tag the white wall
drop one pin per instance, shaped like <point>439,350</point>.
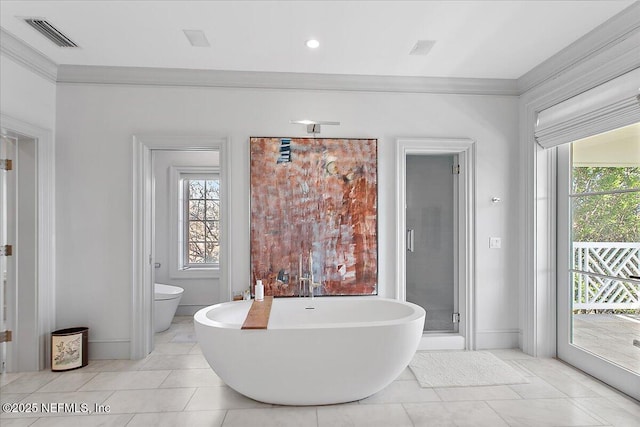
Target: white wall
<point>198,292</point>
<point>26,96</point>
<point>95,125</point>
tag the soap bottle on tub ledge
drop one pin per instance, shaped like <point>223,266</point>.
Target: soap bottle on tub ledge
<point>259,290</point>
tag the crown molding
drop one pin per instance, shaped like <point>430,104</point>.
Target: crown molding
<point>614,40</point>
<point>280,80</point>
<point>602,40</point>
<point>23,54</point>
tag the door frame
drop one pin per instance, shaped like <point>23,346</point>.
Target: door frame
<point>464,148</point>
<point>44,301</point>
<point>142,332</point>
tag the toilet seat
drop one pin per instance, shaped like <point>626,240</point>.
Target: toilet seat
<point>165,292</point>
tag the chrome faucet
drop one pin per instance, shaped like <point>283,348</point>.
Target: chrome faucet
<point>309,280</point>
<point>312,286</point>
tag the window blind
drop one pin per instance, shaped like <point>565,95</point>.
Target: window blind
<point>611,105</point>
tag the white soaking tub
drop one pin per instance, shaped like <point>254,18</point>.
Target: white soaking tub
<point>340,350</point>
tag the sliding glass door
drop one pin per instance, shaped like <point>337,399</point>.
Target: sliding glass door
<point>599,256</point>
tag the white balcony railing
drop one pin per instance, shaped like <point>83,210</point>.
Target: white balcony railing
<point>610,264</point>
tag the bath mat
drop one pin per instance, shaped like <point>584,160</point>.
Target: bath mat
<point>462,369</point>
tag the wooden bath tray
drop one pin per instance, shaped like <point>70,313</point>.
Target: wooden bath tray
<point>258,316</point>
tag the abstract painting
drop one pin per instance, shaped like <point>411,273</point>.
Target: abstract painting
<point>314,215</point>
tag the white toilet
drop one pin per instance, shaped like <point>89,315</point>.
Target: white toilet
<point>166,300</point>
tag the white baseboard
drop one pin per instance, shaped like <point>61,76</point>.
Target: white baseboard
<point>508,338</point>
<point>109,349</point>
<point>441,342</point>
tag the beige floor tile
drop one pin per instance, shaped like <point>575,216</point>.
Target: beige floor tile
<point>18,422</point>
<point>12,397</point>
<point>30,382</point>
<point>406,375</point>
<point>625,402</point>
<point>184,337</point>
<point>494,392</point>
<point>403,391</point>
<point>96,365</point>
<point>569,386</point>
<point>216,398</point>
<point>68,381</point>
<point>565,379</point>
<point>85,421</point>
<point>601,407</point>
<point>172,348</point>
<point>521,369</point>
<point>272,417</point>
<point>175,361</point>
<point>459,414</point>
<point>174,419</point>
<point>154,400</point>
<point>537,388</point>
<point>542,413</point>
<point>164,337</point>
<point>196,349</point>
<point>177,328</point>
<point>126,380</point>
<point>6,378</point>
<point>363,416</point>
<point>192,378</point>
<point>114,365</point>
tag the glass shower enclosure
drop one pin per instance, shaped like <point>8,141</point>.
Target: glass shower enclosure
<point>431,218</point>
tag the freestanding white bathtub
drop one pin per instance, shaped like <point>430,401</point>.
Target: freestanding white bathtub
<point>343,349</point>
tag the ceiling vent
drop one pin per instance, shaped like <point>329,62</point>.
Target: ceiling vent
<point>422,47</point>
<point>197,38</point>
<point>50,32</point>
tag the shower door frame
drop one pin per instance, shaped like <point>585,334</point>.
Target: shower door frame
<point>464,148</point>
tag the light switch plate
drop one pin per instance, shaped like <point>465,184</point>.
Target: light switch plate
<point>495,242</point>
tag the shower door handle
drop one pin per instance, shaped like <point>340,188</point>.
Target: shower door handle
<point>410,239</point>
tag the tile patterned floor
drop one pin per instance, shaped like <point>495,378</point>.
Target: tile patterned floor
<point>175,387</point>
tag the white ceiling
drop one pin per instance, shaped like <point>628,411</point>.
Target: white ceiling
<point>482,39</point>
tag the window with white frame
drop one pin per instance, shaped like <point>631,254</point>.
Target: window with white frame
<point>200,225</point>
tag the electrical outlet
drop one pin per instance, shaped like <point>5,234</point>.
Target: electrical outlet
<point>495,242</point>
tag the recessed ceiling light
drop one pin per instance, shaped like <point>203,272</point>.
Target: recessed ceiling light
<point>312,44</point>
<point>197,38</point>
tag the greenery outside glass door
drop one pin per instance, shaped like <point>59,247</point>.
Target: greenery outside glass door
<point>599,253</point>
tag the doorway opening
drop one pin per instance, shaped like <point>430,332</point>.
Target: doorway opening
<point>161,165</point>
<point>27,185</point>
<point>185,219</point>
<point>435,237</point>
